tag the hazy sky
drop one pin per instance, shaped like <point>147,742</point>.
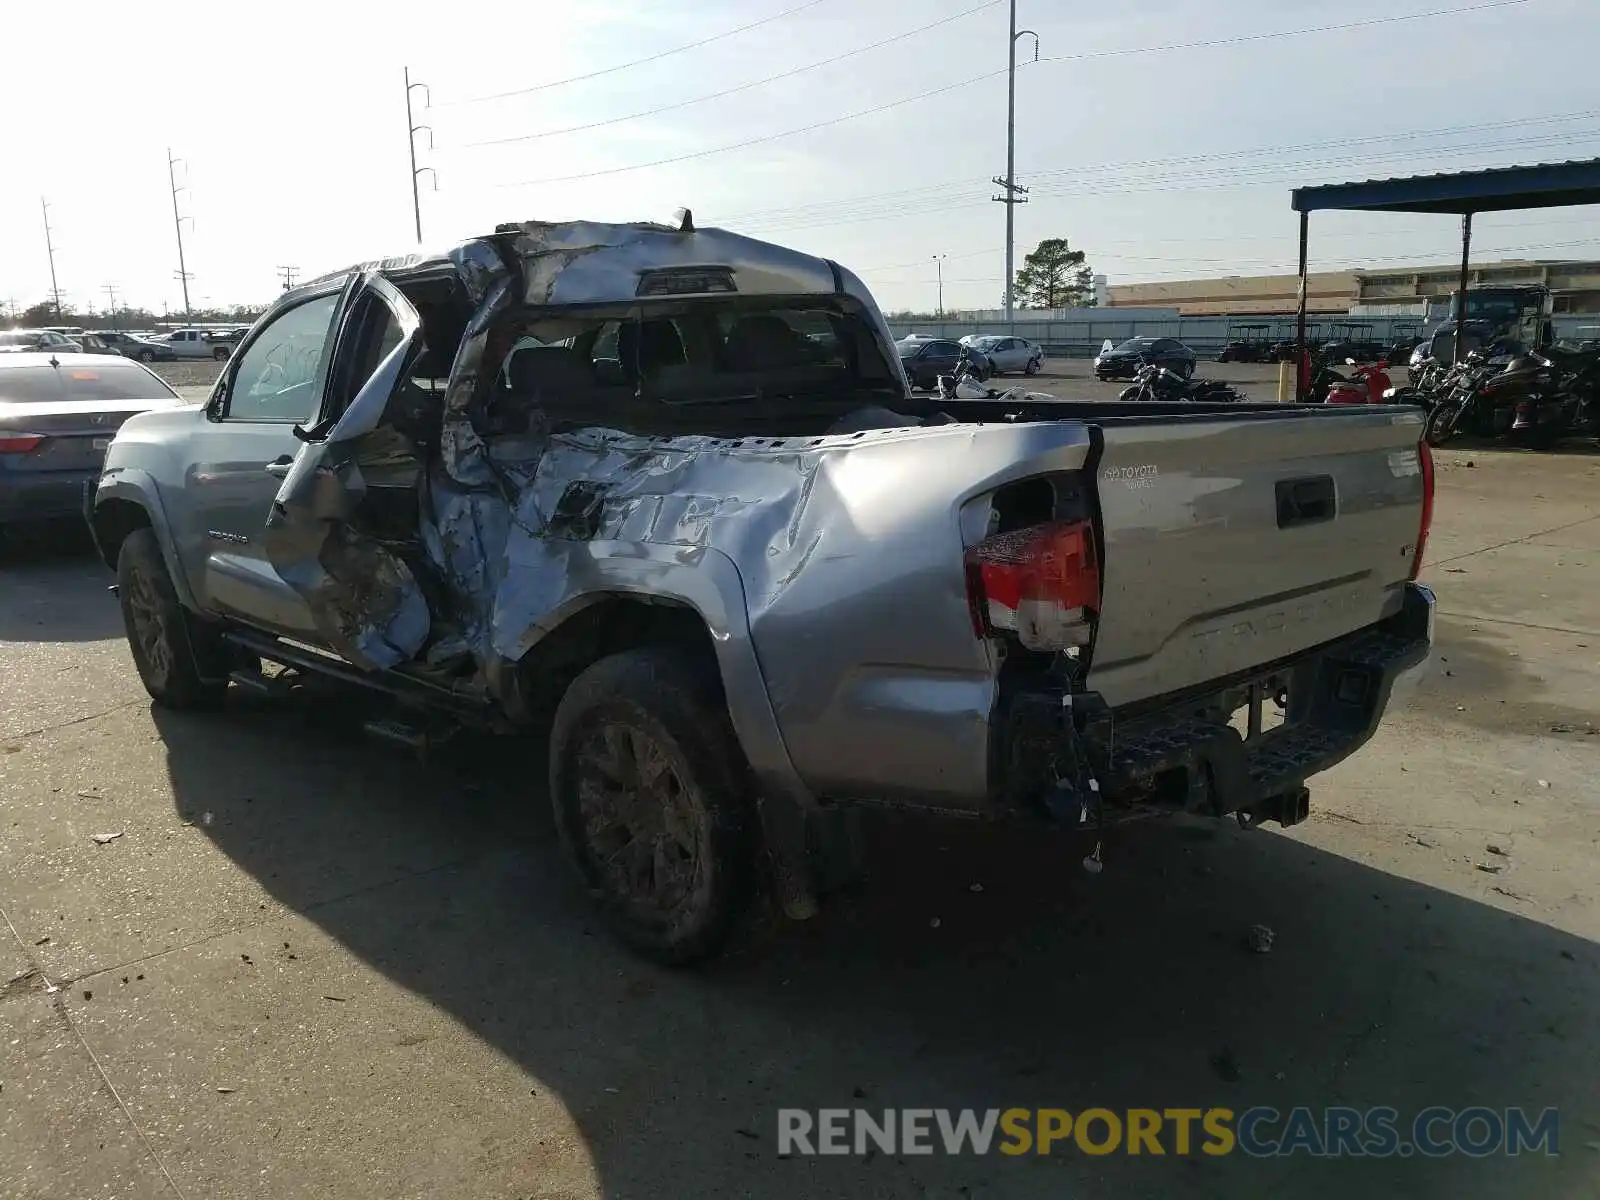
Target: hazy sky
<point>1161,164</point>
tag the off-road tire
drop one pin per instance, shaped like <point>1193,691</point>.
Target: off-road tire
<point>181,663</point>
<point>669,714</point>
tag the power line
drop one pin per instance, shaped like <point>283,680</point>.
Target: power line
<point>950,87</point>
<point>287,275</point>
<point>743,87</point>
<point>638,62</point>
<point>852,204</point>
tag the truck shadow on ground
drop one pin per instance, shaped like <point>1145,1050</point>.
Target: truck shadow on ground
<point>55,586</point>
<point>977,967</point>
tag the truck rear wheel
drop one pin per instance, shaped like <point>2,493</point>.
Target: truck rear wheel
<point>170,649</point>
<point>647,783</point>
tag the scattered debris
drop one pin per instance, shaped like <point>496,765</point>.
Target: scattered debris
<point>613,1091</point>
<point>87,994</point>
<point>103,839</point>
<point>1471,463</point>
<point>43,941</point>
<point>1510,893</point>
<point>336,999</point>
<point>743,1132</point>
<point>226,1090</point>
<point>1491,868</point>
<point>1422,841</point>
<point>207,817</point>
<point>935,923</point>
<point>1544,783</point>
<point>1569,956</point>
<point>1278,1075</point>
<point>91,794</point>
<point>1455,570</point>
<point>1501,851</point>
<point>977,887</point>
<point>1259,939</point>
<point>1461,708</point>
<point>860,1093</point>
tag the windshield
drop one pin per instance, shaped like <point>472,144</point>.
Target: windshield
<point>115,379</point>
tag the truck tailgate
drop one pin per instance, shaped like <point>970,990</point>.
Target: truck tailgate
<point>1233,540</point>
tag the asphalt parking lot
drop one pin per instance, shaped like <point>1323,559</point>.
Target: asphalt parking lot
<point>309,965</point>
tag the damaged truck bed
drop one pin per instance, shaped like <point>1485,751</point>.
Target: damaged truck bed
<point>661,497</point>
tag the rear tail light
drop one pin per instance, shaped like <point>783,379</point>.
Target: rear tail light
<point>1041,584</point>
<point>1425,460</point>
<point>19,443</point>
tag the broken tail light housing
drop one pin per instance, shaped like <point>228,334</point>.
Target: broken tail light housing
<point>1425,461</point>
<point>1040,584</point>
<point>19,443</point>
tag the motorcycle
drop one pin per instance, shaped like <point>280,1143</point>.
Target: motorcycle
<point>1369,384</point>
<point>1152,382</point>
<point>1483,399</point>
<point>1569,403</point>
<point>966,382</point>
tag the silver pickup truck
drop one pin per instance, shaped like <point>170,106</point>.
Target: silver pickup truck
<point>661,499</point>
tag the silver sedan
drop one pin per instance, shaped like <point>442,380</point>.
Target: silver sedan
<point>1009,354</point>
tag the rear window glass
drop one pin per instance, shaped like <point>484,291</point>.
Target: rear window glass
<point>111,380</point>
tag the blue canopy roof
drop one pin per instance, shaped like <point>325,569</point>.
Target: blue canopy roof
<point>1543,185</point>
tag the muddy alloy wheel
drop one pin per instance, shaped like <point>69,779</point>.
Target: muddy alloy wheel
<point>648,789</point>
<point>163,639</point>
<point>1441,424</point>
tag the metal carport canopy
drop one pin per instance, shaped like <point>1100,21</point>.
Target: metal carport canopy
<point>1543,185</point>
<point>1546,185</point>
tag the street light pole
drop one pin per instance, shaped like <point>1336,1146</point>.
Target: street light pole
<point>1014,195</point>
<point>938,262</point>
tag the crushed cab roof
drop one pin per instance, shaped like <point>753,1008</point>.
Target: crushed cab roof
<point>592,262</point>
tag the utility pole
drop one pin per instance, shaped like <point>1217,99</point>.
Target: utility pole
<point>288,274</point>
<point>177,224</point>
<point>412,129</point>
<point>1014,195</point>
<point>110,290</point>
<point>50,249</point>
<point>938,261</point>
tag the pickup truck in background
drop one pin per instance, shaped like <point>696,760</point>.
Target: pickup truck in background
<point>662,500</point>
<point>202,343</point>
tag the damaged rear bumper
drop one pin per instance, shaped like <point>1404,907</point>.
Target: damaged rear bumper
<point>1185,754</point>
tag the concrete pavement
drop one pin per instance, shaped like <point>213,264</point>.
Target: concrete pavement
<point>310,966</point>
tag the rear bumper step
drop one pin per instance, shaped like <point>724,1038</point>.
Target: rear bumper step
<point>1182,757</point>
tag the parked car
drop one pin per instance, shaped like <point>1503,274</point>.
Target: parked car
<point>1123,361</point>
<point>925,360</point>
<point>596,485</point>
<point>1007,354</point>
<point>133,345</point>
<point>57,416</point>
<point>24,341</point>
<point>223,341</point>
<point>95,343</point>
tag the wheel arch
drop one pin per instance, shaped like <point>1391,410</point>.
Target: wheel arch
<point>127,500</point>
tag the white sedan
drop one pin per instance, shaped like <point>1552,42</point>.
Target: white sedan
<point>1008,353</point>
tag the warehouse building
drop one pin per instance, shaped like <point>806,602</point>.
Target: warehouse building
<point>1395,292</point>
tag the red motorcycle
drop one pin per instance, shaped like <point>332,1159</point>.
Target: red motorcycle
<point>1364,384</point>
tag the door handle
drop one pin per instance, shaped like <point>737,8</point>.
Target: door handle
<point>279,467</point>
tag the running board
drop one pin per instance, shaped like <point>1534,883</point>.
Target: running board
<point>400,687</point>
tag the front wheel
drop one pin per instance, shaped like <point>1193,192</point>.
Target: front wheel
<point>220,353</point>
<point>651,804</point>
<point>1129,393</point>
<point>1441,424</point>
<point>180,662</point>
